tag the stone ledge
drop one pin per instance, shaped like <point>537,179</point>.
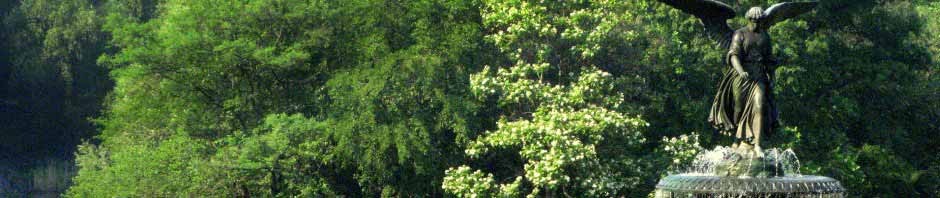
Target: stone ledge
<point>697,184</point>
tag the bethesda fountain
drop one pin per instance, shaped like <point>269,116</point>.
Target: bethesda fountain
<point>744,110</point>
<point>730,172</point>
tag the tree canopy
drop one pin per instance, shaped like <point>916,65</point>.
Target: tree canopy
<point>442,98</point>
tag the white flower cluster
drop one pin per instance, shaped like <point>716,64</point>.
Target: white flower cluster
<point>468,183</point>
<point>682,148</point>
<point>560,138</point>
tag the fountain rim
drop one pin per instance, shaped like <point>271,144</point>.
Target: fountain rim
<point>807,184</point>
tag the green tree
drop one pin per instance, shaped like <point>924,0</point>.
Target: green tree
<point>377,88</point>
<point>52,84</point>
<point>368,98</point>
<point>564,128</point>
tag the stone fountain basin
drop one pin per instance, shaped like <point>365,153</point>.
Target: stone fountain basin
<point>710,184</point>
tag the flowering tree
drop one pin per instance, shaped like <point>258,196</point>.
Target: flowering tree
<point>559,110</point>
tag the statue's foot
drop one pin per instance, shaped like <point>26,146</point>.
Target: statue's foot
<point>758,151</point>
<point>744,146</point>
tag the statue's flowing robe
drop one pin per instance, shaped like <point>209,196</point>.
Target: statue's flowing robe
<point>741,101</point>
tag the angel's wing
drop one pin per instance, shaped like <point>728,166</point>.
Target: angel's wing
<point>714,15</point>
<point>783,11</point>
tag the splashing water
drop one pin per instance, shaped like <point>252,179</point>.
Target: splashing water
<point>706,162</point>
<point>728,172</point>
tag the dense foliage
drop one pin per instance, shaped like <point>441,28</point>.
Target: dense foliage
<point>50,87</point>
<point>435,98</point>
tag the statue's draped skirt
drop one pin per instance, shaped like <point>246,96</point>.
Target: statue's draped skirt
<point>735,108</point>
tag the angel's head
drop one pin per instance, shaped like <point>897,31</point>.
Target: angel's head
<point>755,15</point>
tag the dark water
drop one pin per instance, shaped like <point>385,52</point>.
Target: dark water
<point>46,178</point>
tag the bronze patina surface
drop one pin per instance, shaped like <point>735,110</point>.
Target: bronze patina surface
<point>744,109</point>
<point>744,105</point>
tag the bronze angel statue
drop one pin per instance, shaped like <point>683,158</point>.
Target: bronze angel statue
<point>744,105</point>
